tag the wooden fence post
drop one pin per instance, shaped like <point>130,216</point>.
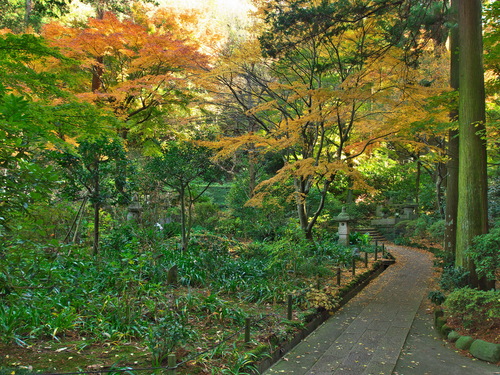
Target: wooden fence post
<point>172,363</point>
<point>289,308</point>
<point>247,331</point>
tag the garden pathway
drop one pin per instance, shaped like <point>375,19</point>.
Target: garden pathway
<point>384,330</point>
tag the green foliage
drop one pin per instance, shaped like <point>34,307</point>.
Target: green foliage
<point>13,15</point>
<point>98,166</point>
<point>18,53</point>
<point>453,278</point>
<point>168,332</point>
<point>360,239</point>
<point>186,168</point>
<point>26,176</point>
<point>485,253</point>
<point>262,223</point>
<point>437,297</point>
<point>424,227</point>
<point>243,364</point>
<point>473,307</point>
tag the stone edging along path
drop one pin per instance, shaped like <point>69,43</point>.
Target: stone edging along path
<point>480,349</point>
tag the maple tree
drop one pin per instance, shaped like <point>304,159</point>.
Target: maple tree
<point>325,87</point>
<point>139,68</point>
<point>34,116</point>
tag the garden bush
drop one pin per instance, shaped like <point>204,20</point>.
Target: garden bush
<point>473,307</point>
<point>453,278</point>
<point>485,252</point>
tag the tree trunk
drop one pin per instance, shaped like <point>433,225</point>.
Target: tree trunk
<point>182,193</point>
<point>27,14</point>
<point>252,173</point>
<point>450,228</point>
<point>440,179</point>
<point>97,208</point>
<point>417,184</point>
<point>302,207</point>
<point>472,217</point>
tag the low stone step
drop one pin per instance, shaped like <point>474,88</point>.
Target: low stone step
<point>375,235</point>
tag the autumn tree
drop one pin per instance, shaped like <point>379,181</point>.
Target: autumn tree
<point>141,70</point>
<point>327,84</point>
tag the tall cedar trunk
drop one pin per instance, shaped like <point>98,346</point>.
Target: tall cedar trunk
<point>450,229</point>
<point>440,180</point>
<point>472,217</point>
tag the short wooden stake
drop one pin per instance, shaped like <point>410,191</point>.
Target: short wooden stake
<point>376,252</point>
<point>366,259</point>
<point>172,364</point>
<point>353,266</point>
<point>247,330</point>
<point>383,250</point>
<point>339,272</point>
<point>289,307</point>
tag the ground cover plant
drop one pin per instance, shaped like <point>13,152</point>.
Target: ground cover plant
<point>65,310</point>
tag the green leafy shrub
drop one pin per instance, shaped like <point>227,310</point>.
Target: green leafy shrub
<point>473,307</point>
<point>453,278</point>
<point>485,252</point>
<point>436,230</point>
<point>437,297</point>
<point>359,239</point>
<point>166,334</point>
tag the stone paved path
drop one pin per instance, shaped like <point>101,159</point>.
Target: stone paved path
<point>368,334</point>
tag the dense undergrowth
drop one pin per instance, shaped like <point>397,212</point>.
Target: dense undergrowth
<point>471,311</point>
<point>130,293</point>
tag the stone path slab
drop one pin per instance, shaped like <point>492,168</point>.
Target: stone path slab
<point>368,335</point>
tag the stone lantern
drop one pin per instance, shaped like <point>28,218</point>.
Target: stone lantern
<point>343,219</point>
<point>134,210</point>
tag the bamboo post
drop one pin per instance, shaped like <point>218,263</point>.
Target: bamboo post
<point>338,275</point>
<point>376,251</point>
<point>383,250</point>
<point>366,259</point>
<point>172,364</point>
<point>289,308</point>
<point>353,266</point>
